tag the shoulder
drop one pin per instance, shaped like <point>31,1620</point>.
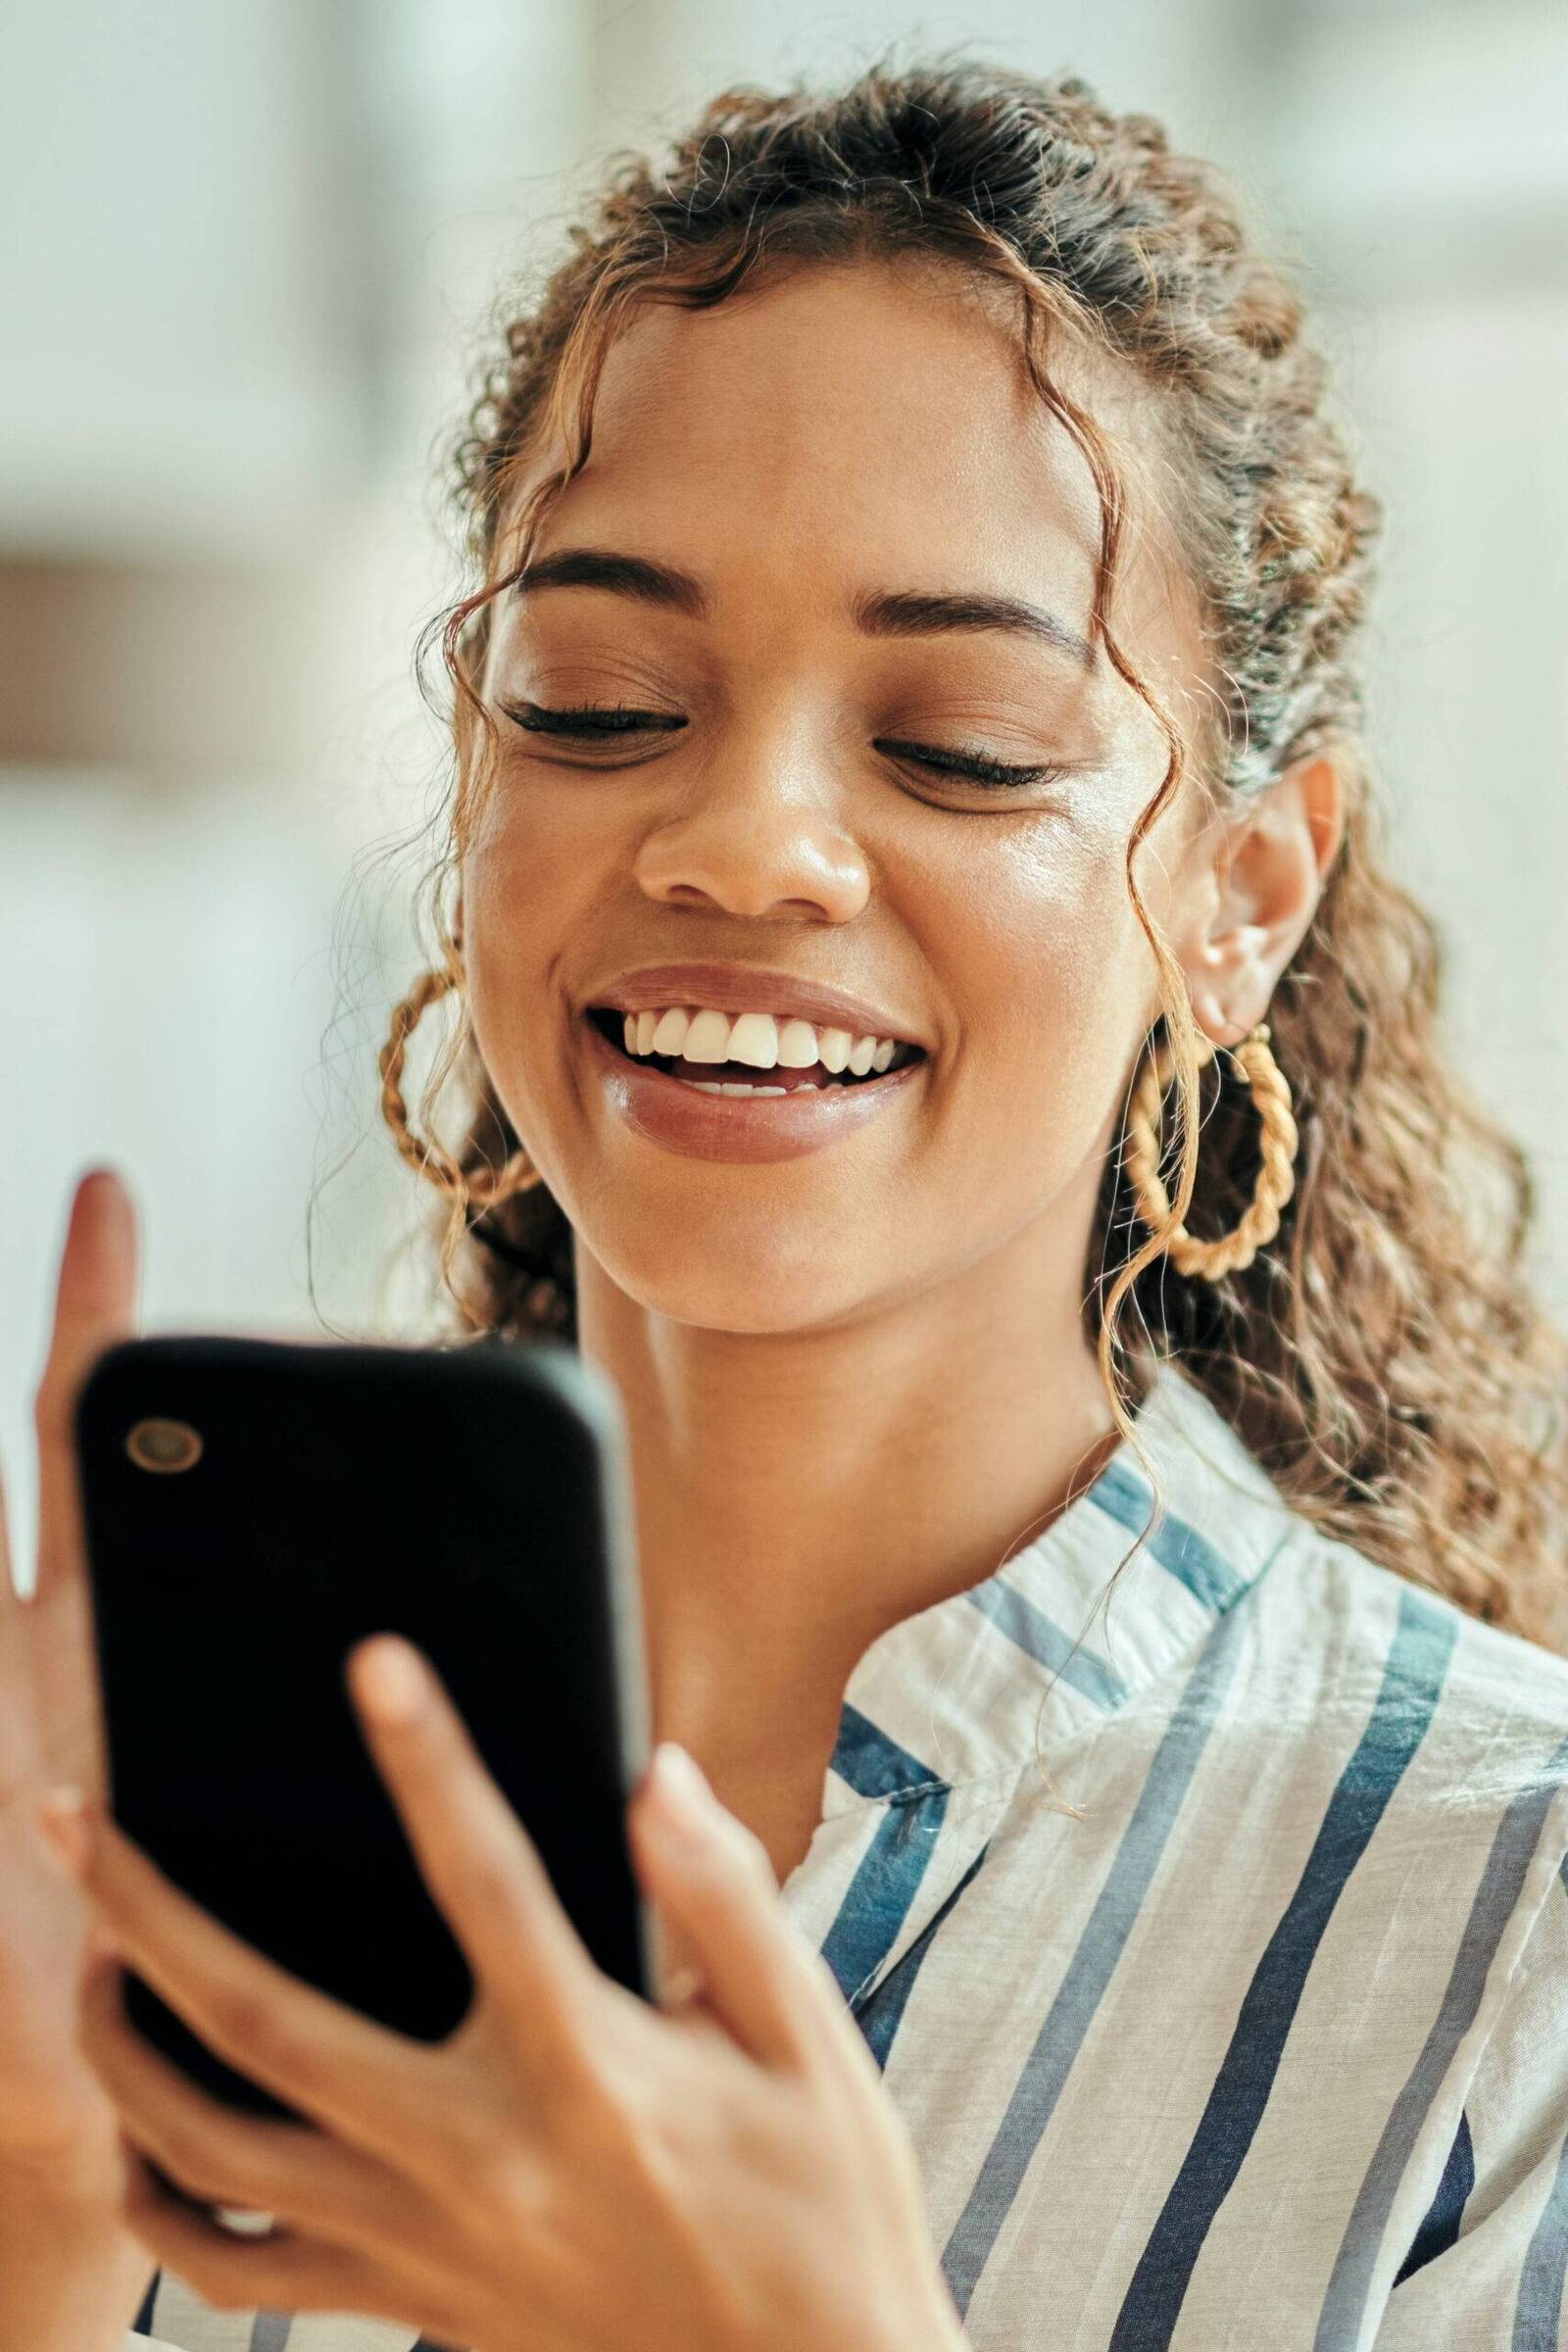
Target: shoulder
<point>1493,1706</point>
<point>1333,1636</point>
<point>1430,1753</point>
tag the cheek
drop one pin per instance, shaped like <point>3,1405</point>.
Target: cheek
<point>1049,971</point>
<point>1057,969</point>
<point>528,888</point>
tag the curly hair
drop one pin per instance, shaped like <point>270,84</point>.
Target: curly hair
<point>1385,1359</point>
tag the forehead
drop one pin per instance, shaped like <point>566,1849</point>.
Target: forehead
<point>838,408</point>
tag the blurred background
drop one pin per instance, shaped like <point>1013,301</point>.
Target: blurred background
<point>251,248</point>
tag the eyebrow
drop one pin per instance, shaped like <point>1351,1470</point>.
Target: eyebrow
<point>878,613</point>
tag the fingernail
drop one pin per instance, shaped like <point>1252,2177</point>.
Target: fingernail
<point>391,1678</point>
<point>61,1816</point>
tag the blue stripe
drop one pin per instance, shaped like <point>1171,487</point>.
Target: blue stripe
<point>1093,1964</point>
<point>882,1889</point>
<point>1016,1615</point>
<point>880,2019</point>
<point>1538,2315</point>
<point>872,1764</point>
<point>1418,1658</point>
<point>271,2332</point>
<point>1178,1546</point>
<point>143,2321</point>
<point>1445,2212</point>
<point>1496,1899</point>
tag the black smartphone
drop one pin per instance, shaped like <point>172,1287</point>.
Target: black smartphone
<point>255,1507</point>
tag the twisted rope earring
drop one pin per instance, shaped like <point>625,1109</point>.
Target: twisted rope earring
<point>1230,1253</point>
<point>487,1187</point>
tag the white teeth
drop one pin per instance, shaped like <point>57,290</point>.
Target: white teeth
<point>670,1034</point>
<point>702,1034</point>
<point>711,1085</point>
<point>796,1044</point>
<point>755,1039</point>
<point>707,1038</point>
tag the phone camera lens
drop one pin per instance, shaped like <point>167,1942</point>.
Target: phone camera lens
<point>158,1445</point>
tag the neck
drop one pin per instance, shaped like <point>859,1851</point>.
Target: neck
<point>796,1495</point>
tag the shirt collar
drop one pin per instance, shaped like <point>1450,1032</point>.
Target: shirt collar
<point>952,1695</point>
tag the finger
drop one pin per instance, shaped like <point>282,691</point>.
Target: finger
<point>213,2152</point>
<point>361,2081</point>
<point>284,2271</point>
<point>18,1705</point>
<point>711,1876</point>
<point>9,1599</point>
<point>481,1867</point>
<point>95,1304</point>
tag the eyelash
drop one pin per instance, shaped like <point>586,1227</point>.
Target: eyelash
<point>989,774</point>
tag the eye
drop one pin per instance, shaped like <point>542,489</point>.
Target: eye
<point>974,768</point>
<point>587,722</point>
<point>590,722</point>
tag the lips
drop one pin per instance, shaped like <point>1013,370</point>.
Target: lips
<point>643,1098</point>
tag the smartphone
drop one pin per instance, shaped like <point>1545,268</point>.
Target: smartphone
<point>253,1508</point>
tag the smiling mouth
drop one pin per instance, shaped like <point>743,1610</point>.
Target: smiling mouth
<point>611,1024</point>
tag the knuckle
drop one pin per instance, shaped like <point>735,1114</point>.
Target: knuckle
<point>502,2176</point>
<point>513,2184</point>
<point>188,2159</point>
<point>490,1890</point>
<point>620,2130</point>
<point>250,2026</point>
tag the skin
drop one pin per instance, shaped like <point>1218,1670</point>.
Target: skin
<point>839,1416</point>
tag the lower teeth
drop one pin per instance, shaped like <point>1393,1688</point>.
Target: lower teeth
<point>713,1085</point>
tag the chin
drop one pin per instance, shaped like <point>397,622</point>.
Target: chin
<point>715,1290</point>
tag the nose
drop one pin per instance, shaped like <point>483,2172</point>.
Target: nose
<point>760,832</point>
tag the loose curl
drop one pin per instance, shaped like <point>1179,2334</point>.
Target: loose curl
<point>1385,1360</point>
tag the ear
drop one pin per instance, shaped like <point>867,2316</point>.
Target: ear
<point>1264,874</point>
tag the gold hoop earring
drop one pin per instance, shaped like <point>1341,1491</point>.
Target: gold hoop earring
<point>489,1187</point>
<point>1230,1253</point>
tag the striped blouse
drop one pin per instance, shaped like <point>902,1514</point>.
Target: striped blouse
<point>1269,2049</point>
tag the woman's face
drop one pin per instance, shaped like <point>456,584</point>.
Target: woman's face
<point>843,434</point>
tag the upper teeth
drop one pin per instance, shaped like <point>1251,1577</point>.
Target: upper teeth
<point>755,1038</point>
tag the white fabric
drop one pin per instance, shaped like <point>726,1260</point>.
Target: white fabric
<point>1271,2046</point>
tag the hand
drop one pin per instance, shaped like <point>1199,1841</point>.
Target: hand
<point>58,2131</point>
<point>572,2168</point>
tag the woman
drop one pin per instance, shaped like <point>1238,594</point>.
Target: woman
<point>940,1036</point>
